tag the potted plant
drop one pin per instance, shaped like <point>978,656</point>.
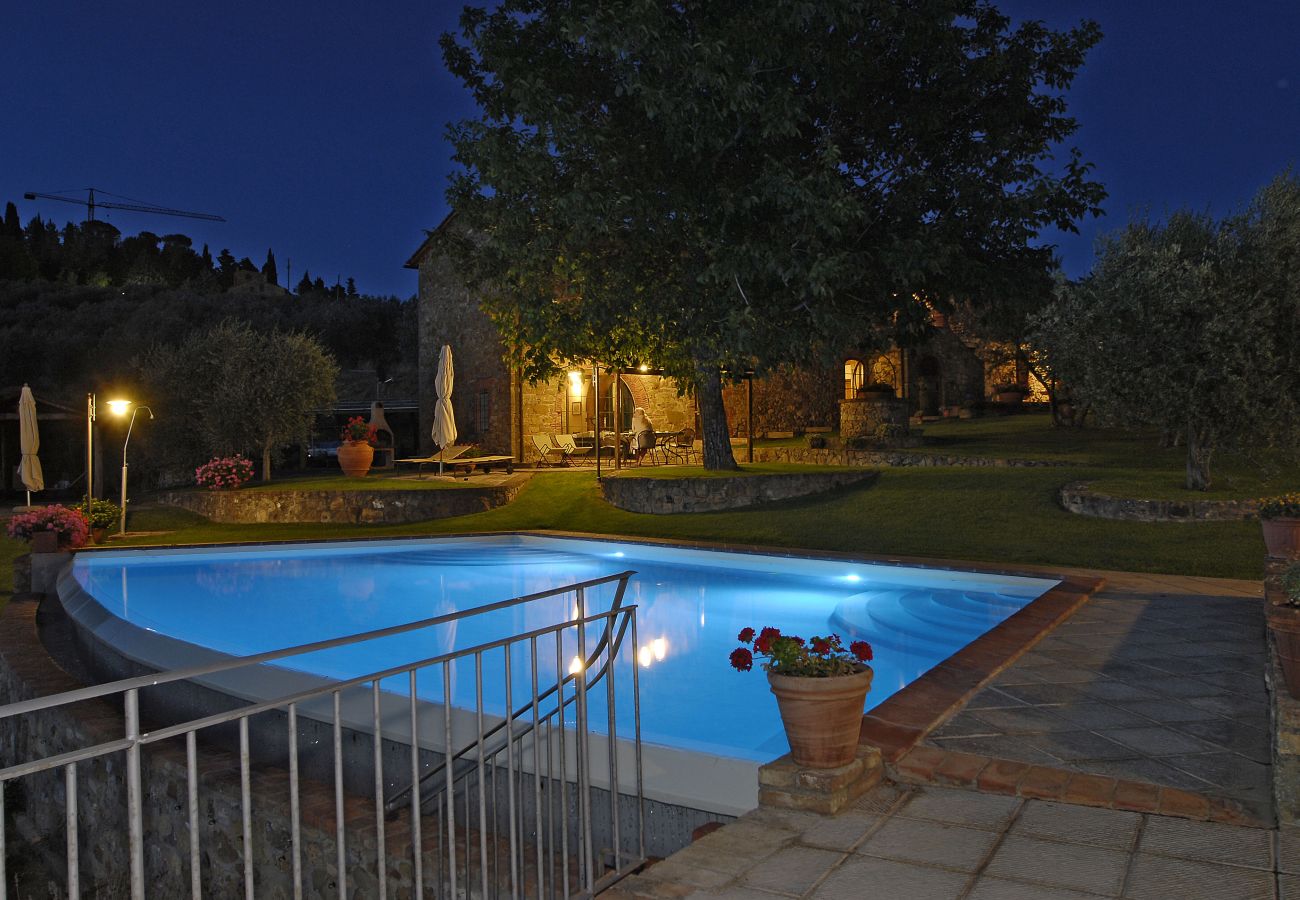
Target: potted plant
<point>102,515</point>
<point>358,449</point>
<point>820,689</point>
<point>1283,616</point>
<point>224,473</point>
<point>1009,393</point>
<point>1280,517</point>
<point>876,390</point>
<point>50,528</point>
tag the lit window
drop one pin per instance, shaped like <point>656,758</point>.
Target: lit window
<point>853,373</point>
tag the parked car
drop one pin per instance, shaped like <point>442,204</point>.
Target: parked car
<point>322,452</point>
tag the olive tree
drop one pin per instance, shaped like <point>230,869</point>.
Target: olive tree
<point>1193,326</point>
<point>233,388</point>
<point>716,187</point>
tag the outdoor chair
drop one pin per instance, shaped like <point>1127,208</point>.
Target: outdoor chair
<point>548,452</point>
<point>681,447</point>
<point>647,446</point>
<point>573,454</point>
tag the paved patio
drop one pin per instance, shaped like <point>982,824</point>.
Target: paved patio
<point>1159,679</point>
<point>931,842</point>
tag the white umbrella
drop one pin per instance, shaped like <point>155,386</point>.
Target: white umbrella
<point>444,420</point>
<point>30,441</point>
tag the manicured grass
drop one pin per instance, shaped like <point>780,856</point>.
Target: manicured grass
<point>990,515</point>
<point>746,469</point>
<point>1135,463</point>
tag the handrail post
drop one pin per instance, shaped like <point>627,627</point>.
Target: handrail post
<point>134,795</point>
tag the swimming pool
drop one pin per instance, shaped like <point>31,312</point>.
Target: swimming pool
<point>692,602</point>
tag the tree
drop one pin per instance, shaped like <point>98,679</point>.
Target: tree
<point>226,268</point>
<point>304,284</point>
<point>268,268</point>
<point>722,187</point>
<point>352,288</point>
<point>1192,326</point>
<point>271,383</point>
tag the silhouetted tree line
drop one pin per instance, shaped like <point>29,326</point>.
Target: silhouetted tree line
<point>96,254</point>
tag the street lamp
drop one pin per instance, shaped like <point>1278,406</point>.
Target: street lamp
<point>119,408</point>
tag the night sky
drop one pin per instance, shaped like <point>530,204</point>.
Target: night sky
<point>317,128</point>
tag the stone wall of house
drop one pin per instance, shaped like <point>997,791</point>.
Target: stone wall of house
<point>862,418</point>
<point>944,371</point>
<point>449,313</point>
<point>1078,498</point>
<point>345,507</point>
<point>680,495</point>
<point>789,400</point>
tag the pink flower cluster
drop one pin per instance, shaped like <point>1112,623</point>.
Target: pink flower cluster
<point>224,472</point>
<point>70,525</point>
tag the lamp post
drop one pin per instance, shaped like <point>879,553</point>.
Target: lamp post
<point>119,408</point>
<point>90,450</point>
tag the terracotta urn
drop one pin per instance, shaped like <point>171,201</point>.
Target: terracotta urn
<point>1284,623</point>
<point>1282,537</point>
<point>355,458</point>
<point>822,716</point>
<point>99,535</point>
<point>45,542</point>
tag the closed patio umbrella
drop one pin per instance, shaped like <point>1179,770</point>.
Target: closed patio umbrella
<point>30,442</point>
<point>444,420</point>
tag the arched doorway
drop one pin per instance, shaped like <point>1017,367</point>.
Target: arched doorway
<point>626,405</point>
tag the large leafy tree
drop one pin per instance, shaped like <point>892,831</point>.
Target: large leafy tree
<point>731,185</point>
<point>1191,325</point>
<point>234,388</point>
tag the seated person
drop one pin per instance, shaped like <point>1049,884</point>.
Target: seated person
<point>643,432</point>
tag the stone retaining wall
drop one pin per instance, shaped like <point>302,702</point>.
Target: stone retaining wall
<point>1286,714</point>
<point>35,804</point>
<point>351,507</point>
<point>843,457</point>
<point>1078,498</point>
<point>678,495</point>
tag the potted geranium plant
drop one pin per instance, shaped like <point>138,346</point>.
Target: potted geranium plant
<point>1283,615</point>
<point>1280,517</point>
<point>820,689</point>
<point>102,515</point>
<point>358,449</point>
<point>50,528</point>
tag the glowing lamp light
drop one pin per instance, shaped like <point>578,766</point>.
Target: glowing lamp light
<point>645,656</point>
<point>619,554</point>
<point>575,384</point>
<point>575,667</point>
<point>660,647</point>
<point>644,368</point>
<point>852,577</point>
<point>119,407</point>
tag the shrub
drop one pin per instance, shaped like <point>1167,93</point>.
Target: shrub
<point>1291,586</point>
<point>102,513</point>
<point>817,441</point>
<point>224,472</point>
<point>69,524</point>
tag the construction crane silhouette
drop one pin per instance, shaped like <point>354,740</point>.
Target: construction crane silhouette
<point>134,206</point>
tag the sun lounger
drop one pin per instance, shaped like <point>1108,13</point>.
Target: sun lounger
<point>444,457</point>
<point>466,465</point>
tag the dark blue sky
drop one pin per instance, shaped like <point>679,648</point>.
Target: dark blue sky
<point>317,128</point>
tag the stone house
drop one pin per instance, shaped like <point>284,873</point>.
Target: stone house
<point>499,411</point>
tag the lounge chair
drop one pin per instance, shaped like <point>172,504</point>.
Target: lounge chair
<point>548,452</point>
<point>444,457</point>
<point>573,454</point>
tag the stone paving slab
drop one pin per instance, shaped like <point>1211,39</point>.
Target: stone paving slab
<point>951,844</point>
<point>1159,679</point>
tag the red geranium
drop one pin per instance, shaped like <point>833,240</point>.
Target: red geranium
<point>741,659</point>
<point>818,657</point>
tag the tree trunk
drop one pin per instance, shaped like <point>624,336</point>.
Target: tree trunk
<point>713,418</point>
<point>1198,459</point>
<point>266,462</point>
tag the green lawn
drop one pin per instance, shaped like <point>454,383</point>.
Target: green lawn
<point>375,481</point>
<point>1000,515</point>
<point>1133,462</point>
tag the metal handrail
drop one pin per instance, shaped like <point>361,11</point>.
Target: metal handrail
<point>616,621</point>
<point>239,662</point>
<point>391,804</point>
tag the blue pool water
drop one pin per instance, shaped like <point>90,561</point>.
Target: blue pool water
<point>691,604</point>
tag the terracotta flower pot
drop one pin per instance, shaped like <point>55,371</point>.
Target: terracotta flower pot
<point>45,542</point>
<point>355,458</point>
<point>822,716</point>
<point>1282,537</point>
<point>1284,622</point>
<point>99,535</point>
